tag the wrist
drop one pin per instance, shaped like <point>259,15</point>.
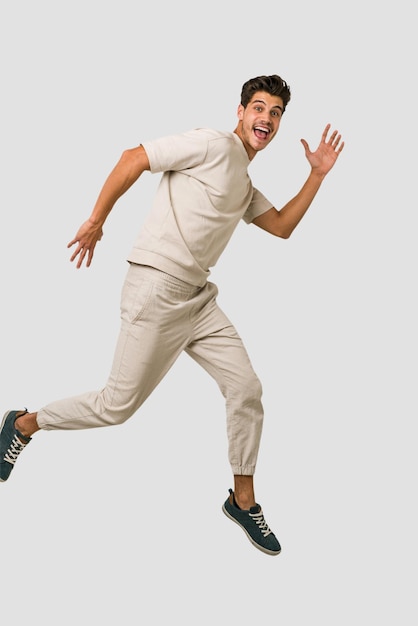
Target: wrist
<point>96,221</point>
<point>316,173</point>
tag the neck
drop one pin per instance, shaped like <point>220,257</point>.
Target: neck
<point>250,152</point>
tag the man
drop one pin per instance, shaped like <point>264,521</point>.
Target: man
<point>168,305</point>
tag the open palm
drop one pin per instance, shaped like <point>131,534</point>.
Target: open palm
<point>327,152</point>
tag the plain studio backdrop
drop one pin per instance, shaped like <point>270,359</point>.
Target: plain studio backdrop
<point>124,525</point>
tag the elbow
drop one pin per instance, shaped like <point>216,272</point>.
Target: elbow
<point>135,161</point>
<point>127,156</point>
<point>136,157</point>
<point>284,233</point>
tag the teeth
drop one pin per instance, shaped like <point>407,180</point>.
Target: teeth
<point>264,130</point>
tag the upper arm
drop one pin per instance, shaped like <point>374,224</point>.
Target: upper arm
<point>138,159</point>
<point>269,221</point>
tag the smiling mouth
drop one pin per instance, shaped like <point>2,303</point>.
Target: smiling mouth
<point>261,132</point>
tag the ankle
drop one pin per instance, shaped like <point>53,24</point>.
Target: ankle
<point>26,424</point>
<point>244,492</point>
<point>244,502</point>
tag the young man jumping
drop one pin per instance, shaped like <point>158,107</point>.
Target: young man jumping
<point>168,305</point>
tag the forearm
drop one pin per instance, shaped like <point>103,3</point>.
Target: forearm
<point>128,169</point>
<point>283,222</point>
<point>292,213</point>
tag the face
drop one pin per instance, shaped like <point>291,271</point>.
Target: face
<point>259,121</point>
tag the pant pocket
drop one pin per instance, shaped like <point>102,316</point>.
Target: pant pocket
<point>136,295</point>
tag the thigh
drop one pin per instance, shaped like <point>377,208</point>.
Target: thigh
<point>219,349</point>
<point>154,331</point>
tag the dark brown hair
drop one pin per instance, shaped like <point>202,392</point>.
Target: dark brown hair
<point>274,85</point>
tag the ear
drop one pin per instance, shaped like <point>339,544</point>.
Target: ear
<point>240,112</point>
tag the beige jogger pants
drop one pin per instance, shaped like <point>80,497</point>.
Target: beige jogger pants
<point>162,316</point>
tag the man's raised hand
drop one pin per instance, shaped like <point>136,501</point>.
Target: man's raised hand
<point>327,152</point>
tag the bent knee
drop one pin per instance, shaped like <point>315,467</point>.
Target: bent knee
<point>115,413</point>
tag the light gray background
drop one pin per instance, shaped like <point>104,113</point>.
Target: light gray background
<point>124,525</point>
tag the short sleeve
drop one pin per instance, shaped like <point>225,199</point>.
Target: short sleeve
<point>258,205</point>
<point>176,152</point>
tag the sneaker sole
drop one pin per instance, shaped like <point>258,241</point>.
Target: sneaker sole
<point>5,416</point>
<point>255,544</point>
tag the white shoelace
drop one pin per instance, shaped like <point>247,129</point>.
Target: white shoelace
<point>261,522</point>
<point>14,450</point>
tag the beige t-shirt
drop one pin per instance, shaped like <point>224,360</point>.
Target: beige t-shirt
<point>203,193</point>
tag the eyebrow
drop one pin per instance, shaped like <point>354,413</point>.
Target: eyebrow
<point>276,106</point>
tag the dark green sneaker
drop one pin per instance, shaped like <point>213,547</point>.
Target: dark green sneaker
<point>12,443</point>
<point>253,524</point>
